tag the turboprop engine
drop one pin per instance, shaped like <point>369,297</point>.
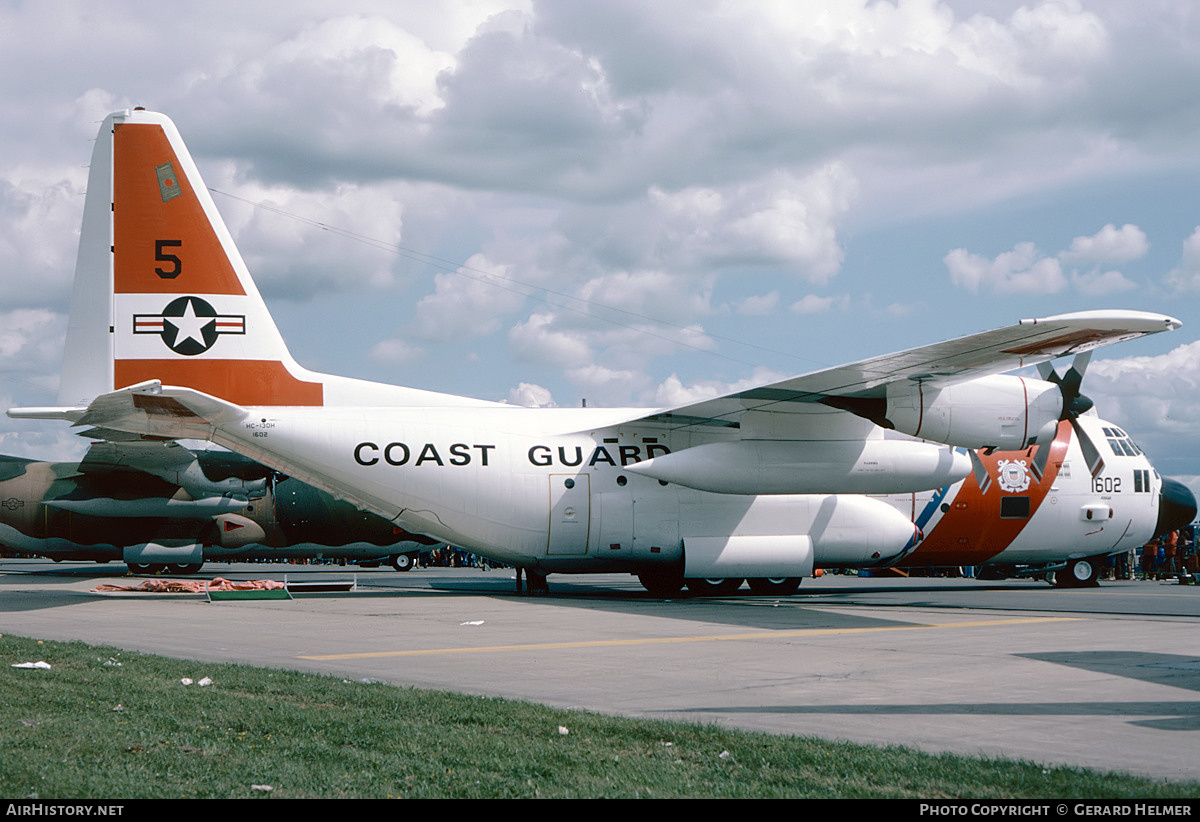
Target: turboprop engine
<point>995,412</point>
<point>999,411</point>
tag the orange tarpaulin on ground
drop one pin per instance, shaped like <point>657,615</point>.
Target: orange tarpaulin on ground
<point>197,586</point>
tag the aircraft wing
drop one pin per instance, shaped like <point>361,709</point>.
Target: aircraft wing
<point>991,352</point>
<point>147,456</point>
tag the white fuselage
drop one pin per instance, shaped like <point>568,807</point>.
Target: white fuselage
<point>552,489</point>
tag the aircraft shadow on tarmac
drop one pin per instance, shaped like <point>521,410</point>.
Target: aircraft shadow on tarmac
<point>1179,671</point>
<point>797,612</point>
<point>1163,716</point>
<point>1176,670</point>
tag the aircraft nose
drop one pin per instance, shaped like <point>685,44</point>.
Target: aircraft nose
<point>1176,507</point>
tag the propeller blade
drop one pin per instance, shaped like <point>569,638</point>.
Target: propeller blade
<point>1091,454</point>
<point>982,478</point>
<point>1074,376</point>
<point>1044,439</point>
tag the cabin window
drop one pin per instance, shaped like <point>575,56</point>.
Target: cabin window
<point>1014,508</point>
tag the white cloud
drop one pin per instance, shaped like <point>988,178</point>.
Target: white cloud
<point>1025,271</point>
<point>39,235</point>
<point>469,302</point>
<point>1098,283</point>
<point>778,220</point>
<point>349,235</point>
<point>757,305</point>
<point>396,352</point>
<point>40,441</point>
<point>1186,276</point>
<point>531,396</point>
<point>1175,374</point>
<point>30,339</point>
<point>1153,398</point>
<point>812,304</point>
<point>672,392</point>
<point>1107,246</point>
<point>647,293</point>
<point>1020,271</point>
<point>536,341</point>
<point>607,387</point>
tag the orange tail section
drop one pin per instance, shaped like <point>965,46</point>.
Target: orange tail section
<point>161,292</point>
<point>184,308</point>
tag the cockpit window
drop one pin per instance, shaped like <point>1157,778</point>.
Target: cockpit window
<point>1120,443</point>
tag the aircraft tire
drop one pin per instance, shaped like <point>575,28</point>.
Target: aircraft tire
<point>1079,573</point>
<point>137,568</point>
<point>190,568</point>
<point>775,586</point>
<point>662,583</point>
<point>713,587</point>
<point>403,562</point>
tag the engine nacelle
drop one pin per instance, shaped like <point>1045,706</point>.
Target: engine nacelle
<point>999,411</point>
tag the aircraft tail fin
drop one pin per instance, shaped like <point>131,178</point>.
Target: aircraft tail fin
<point>182,308</point>
<point>162,293</point>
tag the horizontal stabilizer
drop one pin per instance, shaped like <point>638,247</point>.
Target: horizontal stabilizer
<point>149,409</point>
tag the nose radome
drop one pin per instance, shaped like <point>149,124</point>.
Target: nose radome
<point>1176,507</point>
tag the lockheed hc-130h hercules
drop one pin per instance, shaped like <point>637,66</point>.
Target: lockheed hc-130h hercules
<point>931,456</point>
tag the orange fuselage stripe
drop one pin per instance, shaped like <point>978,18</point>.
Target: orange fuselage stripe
<point>972,531</point>
<point>243,382</point>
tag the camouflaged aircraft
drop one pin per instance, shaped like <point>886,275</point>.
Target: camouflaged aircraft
<point>158,506</point>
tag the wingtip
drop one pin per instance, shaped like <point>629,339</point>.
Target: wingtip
<point>1147,322</point>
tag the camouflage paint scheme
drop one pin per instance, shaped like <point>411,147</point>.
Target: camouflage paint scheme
<point>160,504</point>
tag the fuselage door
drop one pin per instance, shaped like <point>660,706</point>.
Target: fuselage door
<point>570,514</point>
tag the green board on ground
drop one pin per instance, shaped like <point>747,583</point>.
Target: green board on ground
<point>221,596</point>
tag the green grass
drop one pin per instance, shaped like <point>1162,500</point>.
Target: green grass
<point>62,735</point>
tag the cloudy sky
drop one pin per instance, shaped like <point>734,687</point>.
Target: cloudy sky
<point>636,203</point>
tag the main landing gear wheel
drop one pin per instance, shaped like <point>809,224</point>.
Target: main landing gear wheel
<point>138,568</point>
<point>1079,573</point>
<point>713,587</point>
<point>775,586</point>
<point>662,583</point>
<point>190,568</point>
<point>403,562</point>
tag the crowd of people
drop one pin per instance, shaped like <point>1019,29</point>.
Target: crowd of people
<point>1170,556</point>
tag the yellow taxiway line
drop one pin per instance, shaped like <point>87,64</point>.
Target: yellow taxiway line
<point>616,643</point>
